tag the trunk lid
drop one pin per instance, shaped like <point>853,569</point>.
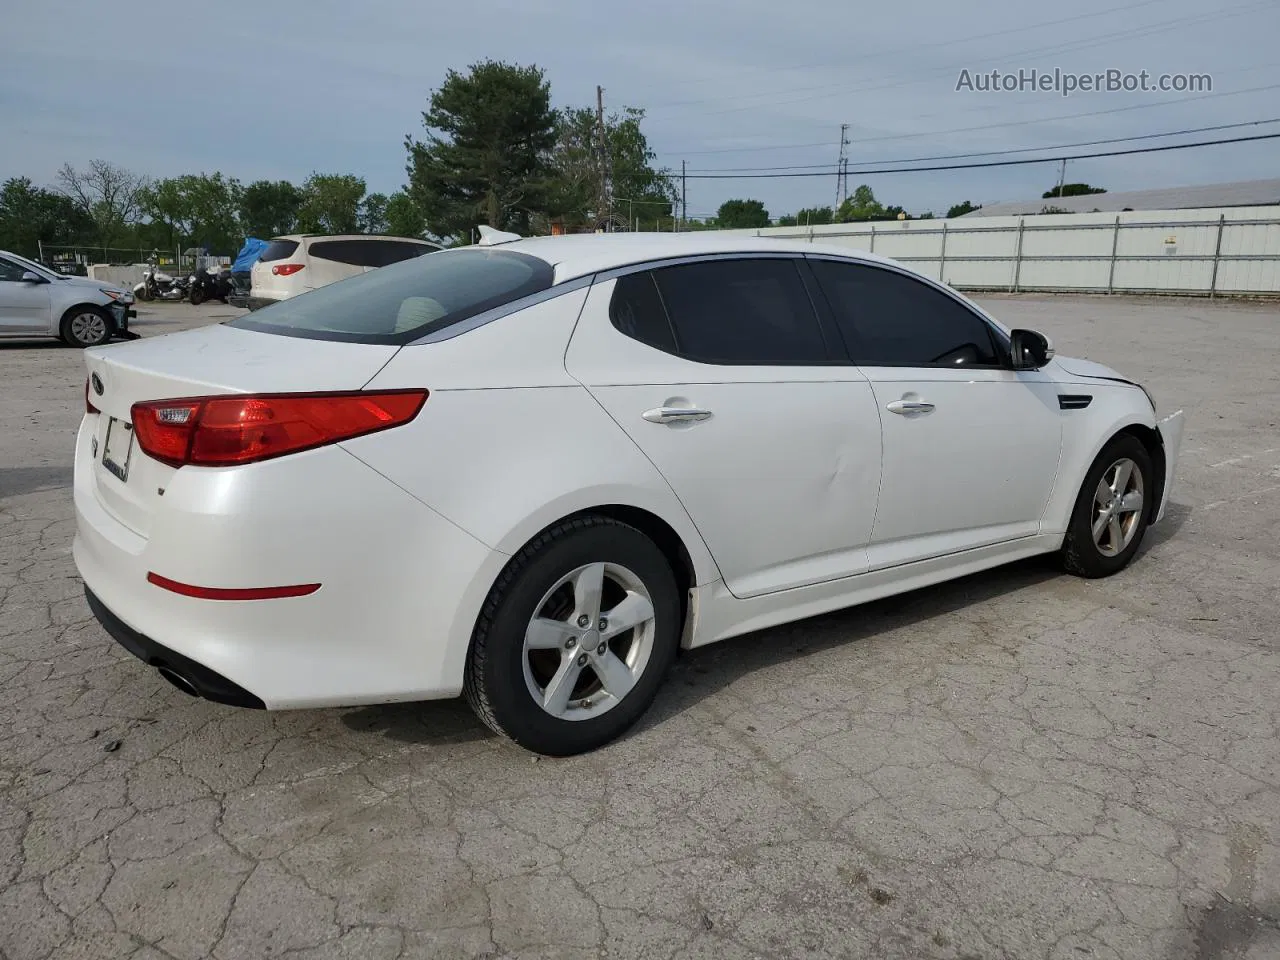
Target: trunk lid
<point>211,360</point>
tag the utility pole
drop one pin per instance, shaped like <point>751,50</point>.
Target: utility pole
<point>1062,177</point>
<point>684,192</point>
<point>842,165</point>
<point>606,205</point>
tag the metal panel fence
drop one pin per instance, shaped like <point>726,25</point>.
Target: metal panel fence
<point>1207,252</point>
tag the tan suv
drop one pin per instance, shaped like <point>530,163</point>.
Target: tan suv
<point>295,264</point>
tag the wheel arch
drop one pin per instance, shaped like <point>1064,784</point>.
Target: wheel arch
<point>1150,438</point>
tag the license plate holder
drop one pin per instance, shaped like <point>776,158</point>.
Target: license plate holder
<point>117,449</point>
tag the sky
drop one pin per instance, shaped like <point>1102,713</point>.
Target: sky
<point>281,90</point>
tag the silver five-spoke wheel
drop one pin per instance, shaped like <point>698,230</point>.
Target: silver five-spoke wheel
<point>1117,507</point>
<point>589,641</point>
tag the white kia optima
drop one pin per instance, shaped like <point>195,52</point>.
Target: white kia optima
<point>531,470</point>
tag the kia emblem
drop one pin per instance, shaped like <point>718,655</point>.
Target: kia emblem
<point>96,381</point>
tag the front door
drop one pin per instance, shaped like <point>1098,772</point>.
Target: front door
<point>971,447</point>
<point>24,306</point>
<point>721,372</point>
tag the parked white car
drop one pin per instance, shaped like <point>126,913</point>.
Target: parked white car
<point>295,264</point>
<point>38,302</point>
<point>531,472</point>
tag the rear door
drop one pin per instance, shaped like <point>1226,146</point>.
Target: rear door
<point>24,307</point>
<point>971,447</point>
<point>723,374</point>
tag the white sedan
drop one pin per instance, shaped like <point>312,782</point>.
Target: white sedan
<point>530,471</point>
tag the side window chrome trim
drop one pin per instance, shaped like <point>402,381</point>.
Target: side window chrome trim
<point>497,313</point>
<point>614,272</point>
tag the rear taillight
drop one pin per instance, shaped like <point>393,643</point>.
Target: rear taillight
<point>88,404</point>
<point>286,269</point>
<point>232,429</point>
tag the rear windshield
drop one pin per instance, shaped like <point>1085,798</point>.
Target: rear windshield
<point>279,249</point>
<point>367,253</point>
<point>407,300</point>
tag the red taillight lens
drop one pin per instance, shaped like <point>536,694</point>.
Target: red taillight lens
<point>88,404</point>
<point>227,430</point>
<point>286,269</point>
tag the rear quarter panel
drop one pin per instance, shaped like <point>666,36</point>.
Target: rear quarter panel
<point>508,443</point>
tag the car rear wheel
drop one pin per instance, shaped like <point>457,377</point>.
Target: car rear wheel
<point>1112,510</point>
<point>86,326</point>
<point>575,638</point>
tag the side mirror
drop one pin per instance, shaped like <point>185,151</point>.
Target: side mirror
<point>30,276</point>
<point>1030,350</point>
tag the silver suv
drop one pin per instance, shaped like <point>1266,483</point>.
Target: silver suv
<point>37,302</point>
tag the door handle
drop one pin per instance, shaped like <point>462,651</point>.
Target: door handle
<point>906,407</point>
<point>675,414</point>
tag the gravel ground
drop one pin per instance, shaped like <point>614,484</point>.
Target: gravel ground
<point>1016,765</point>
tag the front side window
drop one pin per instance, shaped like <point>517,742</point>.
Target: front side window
<point>889,319</point>
<point>742,311</point>
<point>407,300</point>
<point>10,271</point>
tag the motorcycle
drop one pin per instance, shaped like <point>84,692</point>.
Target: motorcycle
<point>203,285</point>
<point>159,286</point>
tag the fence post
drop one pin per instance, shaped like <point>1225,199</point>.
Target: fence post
<point>40,247</point>
<point>1017,258</point>
<point>1115,243</point>
<point>1217,253</point>
<point>872,248</point>
<point>942,256</point>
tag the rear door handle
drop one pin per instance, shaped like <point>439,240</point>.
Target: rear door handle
<point>905,407</point>
<point>675,414</point>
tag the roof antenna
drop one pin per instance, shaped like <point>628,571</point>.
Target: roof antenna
<point>490,237</point>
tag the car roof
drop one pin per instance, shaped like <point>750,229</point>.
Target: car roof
<point>578,255</point>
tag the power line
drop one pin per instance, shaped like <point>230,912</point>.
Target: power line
<point>916,48</point>
<point>988,163</point>
<point>907,79</point>
<point>1001,153</point>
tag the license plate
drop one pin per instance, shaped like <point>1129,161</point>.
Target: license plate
<point>116,451</point>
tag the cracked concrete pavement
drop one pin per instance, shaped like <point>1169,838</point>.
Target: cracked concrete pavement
<point>1016,765</point>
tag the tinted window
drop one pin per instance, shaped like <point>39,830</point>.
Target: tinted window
<point>636,310</point>
<point>279,250</point>
<point>406,300</point>
<point>11,271</point>
<point>890,319</point>
<point>367,253</point>
<point>742,311</point>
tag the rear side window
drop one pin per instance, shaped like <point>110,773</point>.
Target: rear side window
<point>636,310</point>
<point>742,311</point>
<point>891,320</point>
<point>406,300</point>
<point>279,250</point>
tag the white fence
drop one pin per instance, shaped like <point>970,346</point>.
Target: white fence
<point>1207,252</point>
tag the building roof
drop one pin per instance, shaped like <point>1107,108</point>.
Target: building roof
<point>1245,193</point>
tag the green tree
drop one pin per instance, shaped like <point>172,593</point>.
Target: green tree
<point>373,213</point>
<point>639,189</point>
<point>31,214</point>
<point>403,218</point>
<point>1072,190</point>
<point>814,216</point>
<point>107,195</point>
<point>862,205</point>
<point>331,203</point>
<point>485,159</point>
<point>960,209</point>
<point>196,209</point>
<point>740,214</point>
<point>269,208</point>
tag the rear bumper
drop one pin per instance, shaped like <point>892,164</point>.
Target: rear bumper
<point>400,586</point>
<point>198,679</point>
<point>257,303</point>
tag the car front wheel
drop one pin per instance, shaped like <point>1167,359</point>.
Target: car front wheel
<point>575,638</point>
<point>1112,510</point>
<point>86,326</point>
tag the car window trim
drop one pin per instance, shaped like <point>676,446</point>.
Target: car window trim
<point>996,334</point>
<point>503,310</point>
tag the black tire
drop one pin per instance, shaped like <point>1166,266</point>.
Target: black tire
<point>196,296</point>
<point>1081,555</point>
<point>75,334</point>
<point>495,683</point>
